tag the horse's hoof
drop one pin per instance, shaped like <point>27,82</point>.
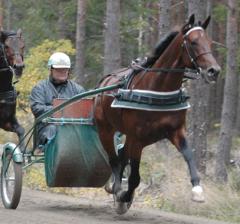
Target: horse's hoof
<point>197,194</point>
<point>121,207</point>
<point>108,187</point>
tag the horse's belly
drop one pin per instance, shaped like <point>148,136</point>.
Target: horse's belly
<point>152,127</point>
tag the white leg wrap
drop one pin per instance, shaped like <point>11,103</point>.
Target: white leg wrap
<point>197,194</point>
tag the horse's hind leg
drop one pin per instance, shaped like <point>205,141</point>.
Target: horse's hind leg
<point>20,133</point>
<point>180,141</point>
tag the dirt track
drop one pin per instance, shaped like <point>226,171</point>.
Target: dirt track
<point>40,207</point>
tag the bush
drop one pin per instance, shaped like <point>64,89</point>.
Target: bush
<point>36,66</point>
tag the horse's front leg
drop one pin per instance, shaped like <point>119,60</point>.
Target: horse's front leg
<point>106,135</point>
<point>125,198</point>
<point>178,138</point>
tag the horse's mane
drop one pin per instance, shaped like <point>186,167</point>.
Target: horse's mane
<point>160,48</point>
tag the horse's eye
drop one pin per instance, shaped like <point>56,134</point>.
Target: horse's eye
<point>194,43</point>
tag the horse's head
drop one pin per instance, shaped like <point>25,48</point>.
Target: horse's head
<point>197,49</point>
<point>12,45</point>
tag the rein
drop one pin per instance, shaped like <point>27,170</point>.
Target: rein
<point>138,67</point>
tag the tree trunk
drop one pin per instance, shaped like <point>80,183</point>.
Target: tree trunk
<point>112,57</point>
<point>8,20</point>
<point>230,95</point>
<point>80,40</point>
<point>1,12</point>
<point>140,30</point>
<point>164,17</point>
<point>150,32</point>
<point>61,23</point>
<point>178,13</point>
<point>212,89</point>
<point>237,123</point>
<point>199,92</point>
<point>219,34</point>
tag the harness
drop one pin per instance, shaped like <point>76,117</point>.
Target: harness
<point>8,97</point>
<point>151,100</point>
<point>158,101</point>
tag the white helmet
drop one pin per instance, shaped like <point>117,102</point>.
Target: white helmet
<point>59,60</point>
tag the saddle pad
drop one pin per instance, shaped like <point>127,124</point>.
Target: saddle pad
<point>151,100</point>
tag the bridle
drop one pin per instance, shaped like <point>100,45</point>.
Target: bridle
<point>5,65</point>
<point>4,62</point>
<point>188,72</point>
<point>190,51</point>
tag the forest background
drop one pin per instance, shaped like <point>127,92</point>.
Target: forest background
<point>103,35</point>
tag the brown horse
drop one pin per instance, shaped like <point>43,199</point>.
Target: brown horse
<point>155,85</point>
<point>11,63</point>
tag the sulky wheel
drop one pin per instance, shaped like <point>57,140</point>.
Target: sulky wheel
<point>11,183</point>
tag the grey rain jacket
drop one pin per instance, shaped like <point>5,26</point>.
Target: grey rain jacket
<point>41,99</point>
<point>45,91</point>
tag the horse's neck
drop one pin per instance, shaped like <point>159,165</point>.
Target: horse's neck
<point>171,58</point>
<point>6,81</point>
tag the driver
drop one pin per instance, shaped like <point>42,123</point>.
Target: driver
<point>57,85</point>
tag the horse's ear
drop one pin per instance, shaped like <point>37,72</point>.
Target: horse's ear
<point>189,24</point>
<point>191,20</point>
<point>206,22</point>
<point>2,36</point>
<point>19,33</point>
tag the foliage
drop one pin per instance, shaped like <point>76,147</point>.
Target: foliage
<point>135,19</point>
<point>36,65</point>
<point>39,19</point>
<point>220,12</point>
<point>42,20</point>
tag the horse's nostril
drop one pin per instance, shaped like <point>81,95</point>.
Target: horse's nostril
<point>18,66</point>
<point>213,71</point>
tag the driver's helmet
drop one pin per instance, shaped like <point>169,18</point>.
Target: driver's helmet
<point>59,60</point>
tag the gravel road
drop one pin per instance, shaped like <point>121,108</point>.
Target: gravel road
<point>38,207</point>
